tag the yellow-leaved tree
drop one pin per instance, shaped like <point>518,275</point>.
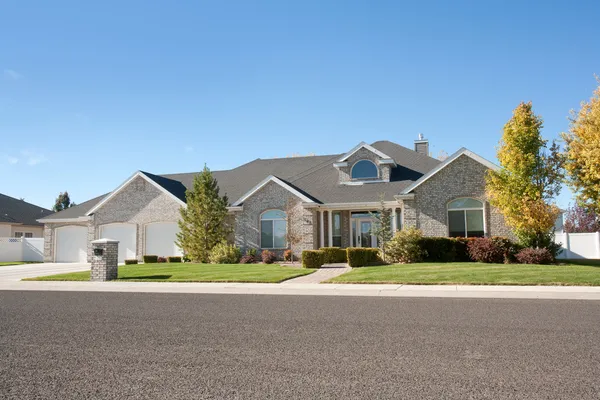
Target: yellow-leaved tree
<point>525,187</point>
<point>582,153</point>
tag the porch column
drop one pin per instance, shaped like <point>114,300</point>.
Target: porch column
<point>394,221</point>
<point>321,229</point>
<point>351,233</point>
<point>330,228</point>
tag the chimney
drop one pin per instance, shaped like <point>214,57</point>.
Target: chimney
<point>422,145</point>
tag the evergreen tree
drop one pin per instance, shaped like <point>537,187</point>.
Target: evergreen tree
<point>63,201</point>
<point>203,222</point>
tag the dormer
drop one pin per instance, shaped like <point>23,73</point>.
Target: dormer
<point>364,164</point>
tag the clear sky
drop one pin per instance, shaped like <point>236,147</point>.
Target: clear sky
<point>90,92</point>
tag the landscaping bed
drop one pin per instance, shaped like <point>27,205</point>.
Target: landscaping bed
<point>188,272</point>
<point>470,273</point>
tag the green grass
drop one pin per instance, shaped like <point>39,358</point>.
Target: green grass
<point>167,272</point>
<point>4,264</point>
<point>475,274</point>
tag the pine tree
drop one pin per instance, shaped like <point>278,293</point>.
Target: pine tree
<point>63,201</point>
<point>525,188</point>
<point>203,222</point>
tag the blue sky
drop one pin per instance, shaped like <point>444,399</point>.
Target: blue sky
<point>90,92</point>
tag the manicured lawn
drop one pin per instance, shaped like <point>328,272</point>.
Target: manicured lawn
<point>271,273</point>
<point>4,264</point>
<point>475,274</point>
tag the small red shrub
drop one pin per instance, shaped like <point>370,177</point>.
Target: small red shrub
<point>485,250</point>
<point>247,259</point>
<point>268,257</point>
<point>532,255</point>
<point>287,255</point>
<point>161,260</point>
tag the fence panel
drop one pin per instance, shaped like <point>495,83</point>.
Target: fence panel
<point>579,245</point>
<point>22,249</point>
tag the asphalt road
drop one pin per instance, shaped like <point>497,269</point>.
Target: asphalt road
<point>62,345</point>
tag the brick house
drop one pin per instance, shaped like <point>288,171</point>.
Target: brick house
<point>332,194</point>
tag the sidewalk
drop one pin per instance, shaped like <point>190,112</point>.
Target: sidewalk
<point>315,289</point>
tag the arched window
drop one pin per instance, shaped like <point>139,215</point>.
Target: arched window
<point>364,169</point>
<point>465,218</point>
<point>273,228</point>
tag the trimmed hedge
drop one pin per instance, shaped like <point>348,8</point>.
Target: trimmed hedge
<point>131,261</point>
<point>150,259</point>
<point>334,255</point>
<point>174,259</point>
<point>312,258</point>
<point>445,249</point>
<point>362,256</point>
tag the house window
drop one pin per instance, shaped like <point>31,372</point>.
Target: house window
<point>28,234</point>
<point>337,229</point>
<point>18,234</point>
<point>399,219</point>
<point>364,169</point>
<point>465,218</point>
<point>273,228</point>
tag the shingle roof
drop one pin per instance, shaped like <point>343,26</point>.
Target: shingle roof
<point>314,176</point>
<point>17,211</point>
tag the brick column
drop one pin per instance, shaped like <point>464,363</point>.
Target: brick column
<point>104,260</point>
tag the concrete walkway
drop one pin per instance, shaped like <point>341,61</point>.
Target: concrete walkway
<point>324,273</point>
<point>10,280</point>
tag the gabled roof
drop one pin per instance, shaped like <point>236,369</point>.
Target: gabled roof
<point>363,145</point>
<point>15,211</point>
<point>278,181</point>
<point>462,151</point>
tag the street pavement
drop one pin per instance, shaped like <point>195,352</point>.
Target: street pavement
<point>78,345</point>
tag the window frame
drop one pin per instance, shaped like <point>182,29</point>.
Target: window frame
<point>365,178</point>
<point>272,220</point>
<point>335,214</point>
<point>19,235</point>
<point>464,211</point>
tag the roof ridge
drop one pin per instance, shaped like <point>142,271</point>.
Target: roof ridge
<point>313,169</point>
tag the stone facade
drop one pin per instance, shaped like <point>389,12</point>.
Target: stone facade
<point>105,267</point>
<point>273,197</point>
<point>464,177</point>
<point>363,154</point>
<point>50,233</point>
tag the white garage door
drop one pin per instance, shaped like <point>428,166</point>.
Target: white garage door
<point>125,234</point>
<point>160,239</point>
<point>71,244</point>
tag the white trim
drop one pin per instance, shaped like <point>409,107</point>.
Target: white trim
<point>360,146</point>
<point>236,208</point>
<point>360,183</point>
<point>387,161</point>
<point>124,184</point>
<point>330,228</point>
<point>278,181</point>
<point>260,220</point>
<point>340,164</point>
<point>354,206</point>
<point>57,220</point>
<point>322,228</point>
<point>449,160</point>
<point>394,221</point>
<point>482,208</point>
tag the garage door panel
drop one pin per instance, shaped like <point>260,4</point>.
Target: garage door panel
<point>71,244</point>
<point>161,238</point>
<point>126,235</point>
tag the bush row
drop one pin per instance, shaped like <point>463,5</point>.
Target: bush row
<point>152,259</point>
<point>354,256</point>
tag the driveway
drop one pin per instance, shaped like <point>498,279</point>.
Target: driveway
<point>73,345</point>
<point>13,273</point>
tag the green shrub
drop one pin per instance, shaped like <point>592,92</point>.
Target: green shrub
<point>224,253</point>
<point>405,247</point>
<point>438,249</point>
<point>312,258</point>
<point>149,259</point>
<point>174,259</point>
<point>131,261</point>
<point>334,255</point>
<point>362,256</point>
<point>461,245</point>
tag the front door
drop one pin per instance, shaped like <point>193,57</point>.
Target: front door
<point>364,234</point>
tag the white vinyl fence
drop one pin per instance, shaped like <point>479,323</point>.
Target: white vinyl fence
<point>21,249</point>
<point>579,245</point>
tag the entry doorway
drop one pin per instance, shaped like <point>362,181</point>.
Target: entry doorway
<point>363,232</point>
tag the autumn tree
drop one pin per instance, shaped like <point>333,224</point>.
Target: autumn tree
<point>582,153</point>
<point>530,178</point>
<point>63,201</point>
<point>203,222</point>
<point>579,219</point>
<point>293,233</point>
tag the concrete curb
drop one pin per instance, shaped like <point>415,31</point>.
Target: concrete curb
<point>312,289</point>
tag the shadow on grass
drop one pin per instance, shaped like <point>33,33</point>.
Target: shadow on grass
<point>158,277</point>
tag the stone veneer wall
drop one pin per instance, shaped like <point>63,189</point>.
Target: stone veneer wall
<point>363,154</point>
<point>272,196</point>
<point>464,177</point>
<point>139,203</point>
<point>50,233</point>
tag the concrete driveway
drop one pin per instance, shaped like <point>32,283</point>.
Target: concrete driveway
<point>18,272</point>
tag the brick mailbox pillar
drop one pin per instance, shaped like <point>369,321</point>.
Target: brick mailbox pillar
<point>105,256</point>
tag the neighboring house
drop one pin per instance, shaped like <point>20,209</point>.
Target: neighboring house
<point>333,194</point>
<point>20,219</point>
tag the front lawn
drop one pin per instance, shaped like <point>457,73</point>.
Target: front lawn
<point>270,273</point>
<point>475,274</point>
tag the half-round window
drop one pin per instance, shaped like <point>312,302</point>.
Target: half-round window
<point>364,169</point>
<point>465,218</point>
<point>273,229</point>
